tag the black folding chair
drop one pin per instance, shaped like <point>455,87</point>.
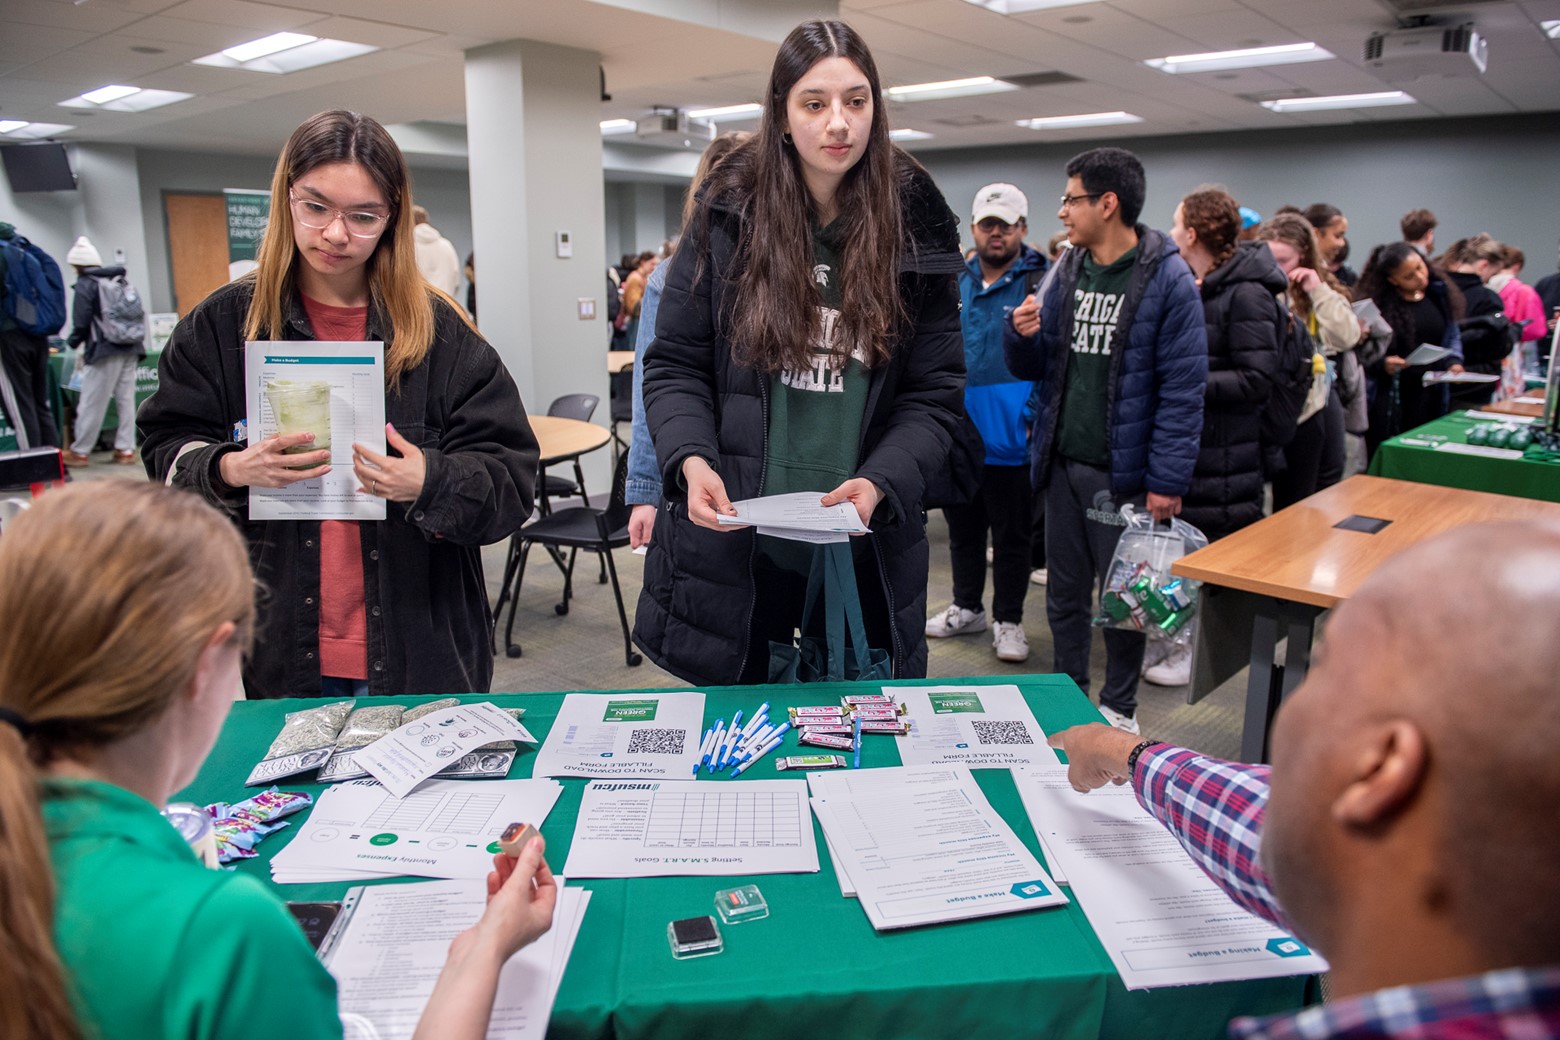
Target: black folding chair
<point>569,406</point>
<point>620,397</point>
<point>575,529</point>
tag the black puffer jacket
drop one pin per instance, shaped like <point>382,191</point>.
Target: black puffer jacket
<point>426,601</point>
<point>1483,326</point>
<point>1243,318</point>
<point>696,608</point>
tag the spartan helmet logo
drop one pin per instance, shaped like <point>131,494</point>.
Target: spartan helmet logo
<point>1102,501</point>
<point>821,274</point>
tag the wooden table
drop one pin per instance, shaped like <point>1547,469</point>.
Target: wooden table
<point>1275,578</point>
<point>563,439</point>
<point>617,360</point>
<point>1525,405</point>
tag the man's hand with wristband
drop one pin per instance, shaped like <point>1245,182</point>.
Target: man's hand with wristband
<point>1098,754</point>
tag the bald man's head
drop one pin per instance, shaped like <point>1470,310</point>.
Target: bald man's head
<point>1423,751</point>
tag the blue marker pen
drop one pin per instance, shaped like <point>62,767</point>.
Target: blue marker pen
<point>730,741</point>
<point>773,743</point>
<point>755,740</point>
<point>704,750</point>
<point>858,743</point>
<point>758,719</point>
<point>759,746</point>
<point>720,724</point>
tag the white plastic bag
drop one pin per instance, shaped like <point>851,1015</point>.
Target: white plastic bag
<point>1140,593</point>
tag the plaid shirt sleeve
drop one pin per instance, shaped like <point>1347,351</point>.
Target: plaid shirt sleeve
<point>1215,809</point>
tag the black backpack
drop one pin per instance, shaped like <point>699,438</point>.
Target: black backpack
<point>1291,381</point>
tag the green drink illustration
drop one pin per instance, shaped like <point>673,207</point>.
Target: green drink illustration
<point>301,406</point>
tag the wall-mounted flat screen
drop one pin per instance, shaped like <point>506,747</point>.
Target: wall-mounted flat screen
<point>38,167</point>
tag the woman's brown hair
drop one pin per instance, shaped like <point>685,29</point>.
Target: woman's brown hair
<point>774,314</point>
<point>1215,216</point>
<point>110,592</point>
<point>396,288</point>
<point>1295,231</point>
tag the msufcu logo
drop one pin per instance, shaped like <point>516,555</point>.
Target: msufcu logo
<point>626,787</point>
<point>1105,511</point>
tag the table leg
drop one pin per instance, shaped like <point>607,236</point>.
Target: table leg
<point>1270,683</point>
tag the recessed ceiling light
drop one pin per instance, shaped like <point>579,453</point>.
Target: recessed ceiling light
<point>112,92</point>
<point>618,126</point>
<point>272,44</point>
<point>32,131</point>
<point>1086,119</point>
<point>1245,58</point>
<point>129,99</point>
<point>303,52</point>
<point>1021,6</point>
<point>948,88</point>
<point>1551,29</point>
<point>727,112</point>
<point>1316,104</point>
<point>907,134</point>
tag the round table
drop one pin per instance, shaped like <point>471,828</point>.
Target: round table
<point>563,439</point>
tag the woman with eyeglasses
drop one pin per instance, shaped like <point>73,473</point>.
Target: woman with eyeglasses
<point>397,606</point>
<point>807,341</point>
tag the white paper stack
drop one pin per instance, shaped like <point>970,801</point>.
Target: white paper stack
<point>388,956</point>
<point>359,831</point>
<point>797,517</point>
<point>1161,919</point>
<point>921,844</point>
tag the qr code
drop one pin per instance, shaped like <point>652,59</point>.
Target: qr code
<point>1001,732</point>
<point>657,741</point>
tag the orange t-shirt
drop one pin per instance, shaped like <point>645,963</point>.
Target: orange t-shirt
<point>343,611</point>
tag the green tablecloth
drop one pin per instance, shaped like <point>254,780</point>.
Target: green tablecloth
<point>815,967</point>
<point>1415,456</point>
<point>63,365</point>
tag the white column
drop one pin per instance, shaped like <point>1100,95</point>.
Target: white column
<point>533,112</point>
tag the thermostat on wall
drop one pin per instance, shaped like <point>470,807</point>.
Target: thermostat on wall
<point>565,244</point>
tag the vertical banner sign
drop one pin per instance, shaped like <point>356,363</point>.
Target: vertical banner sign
<point>247,212</point>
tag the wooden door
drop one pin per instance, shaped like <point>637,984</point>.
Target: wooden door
<point>197,246</point>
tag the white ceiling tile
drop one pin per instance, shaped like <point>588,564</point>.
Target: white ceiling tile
<point>93,18</point>
<point>26,44</point>
<point>375,34</point>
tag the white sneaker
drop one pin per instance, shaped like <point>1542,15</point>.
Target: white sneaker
<point>1174,670</point>
<point>955,621</point>
<point>1125,723</point>
<point>1038,576</point>
<point>991,555</point>
<point>1009,641</point>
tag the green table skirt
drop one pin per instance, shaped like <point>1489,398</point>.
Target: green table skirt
<point>815,967</point>
<point>62,366</point>
<point>1414,456</point>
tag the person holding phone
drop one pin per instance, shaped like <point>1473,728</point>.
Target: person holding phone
<point>110,702</point>
<point>807,341</point>
<point>397,606</point>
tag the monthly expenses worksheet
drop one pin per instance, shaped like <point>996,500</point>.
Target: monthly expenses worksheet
<point>333,390</point>
<point>988,727</point>
<point>642,736</point>
<point>921,844</point>
<point>1162,920</point>
<point>682,827</point>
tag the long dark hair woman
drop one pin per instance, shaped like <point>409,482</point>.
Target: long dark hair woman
<point>397,606</point>
<point>1239,283</point>
<point>1422,307</point>
<point>808,341</point>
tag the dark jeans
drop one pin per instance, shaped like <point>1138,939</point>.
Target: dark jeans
<point>1037,535</point>
<point>1314,459</point>
<point>1002,506</point>
<point>336,686</point>
<point>26,361</point>
<point>1082,524</point>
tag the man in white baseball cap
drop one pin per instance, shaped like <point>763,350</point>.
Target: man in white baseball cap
<point>997,278</point>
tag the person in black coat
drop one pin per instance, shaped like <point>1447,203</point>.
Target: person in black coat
<point>1469,264</point>
<point>808,340</point>
<point>1239,283</point>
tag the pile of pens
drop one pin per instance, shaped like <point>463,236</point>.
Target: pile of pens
<point>842,726</point>
<point>837,726</point>
<point>738,746</point>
